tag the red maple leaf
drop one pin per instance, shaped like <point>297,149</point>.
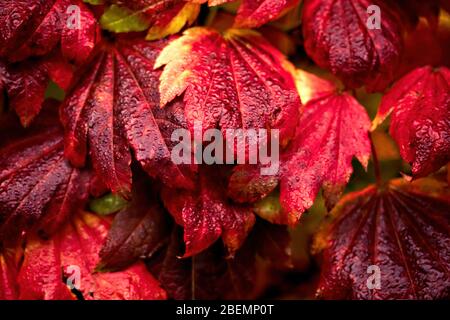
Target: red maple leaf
<point>35,27</point>
<point>206,214</point>
<point>40,34</point>
<point>331,131</point>
<point>403,229</point>
<point>48,263</point>
<point>39,189</point>
<point>113,107</point>
<point>255,13</point>
<point>420,107</point>
<point>233,81</point>
<point>338,39</point>
<point>138,230</point>
<point>26,83</point>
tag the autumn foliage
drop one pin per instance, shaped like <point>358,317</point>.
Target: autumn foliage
<point>94,206</point>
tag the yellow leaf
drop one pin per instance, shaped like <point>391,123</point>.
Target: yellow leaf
<point>186,16</point>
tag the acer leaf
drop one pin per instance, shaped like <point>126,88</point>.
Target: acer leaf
<point>337,38</point>
<point>255,13</point>
<point>114,107</point>
<point>233,81</point>
<point>172,21</point>
<point>162,18</point>
<point>213,275</point>
<point>26,83</point>
<point>35,27</point>
<point>332,130</point>
<point>206,214</point>
<point>79,37</point>
<point>403,229</point>
<point>39,189</point>
<point>137,231</point>
<point>420,107</point>
<point>47,263</point>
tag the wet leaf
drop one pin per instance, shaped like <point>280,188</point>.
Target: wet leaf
<point>337,38</point>
<point>233,81</point>
<point>162,18</point>
<point>39,189</point>
<point>402,229</point>
<point>206,214</point>
<point>137,231</point>
<point>49,263</point>
<point>35,27</point>
<point>332,130</point>
<point>113,107</point>
<point>420,107</point>
<point>255,13</point>
<point>26,83</point>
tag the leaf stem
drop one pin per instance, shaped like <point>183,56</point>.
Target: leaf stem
<point>376,162</point>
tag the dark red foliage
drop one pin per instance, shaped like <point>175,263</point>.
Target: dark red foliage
<point>35,27</point>
<point>138,230</point>
<point>420,124</point>
<point>331,132</point>
<point>213,275</point>
<point>233,81</point>
<point>206,214</point>
<point>48,263</point>
<point>114,107</point>
<point>337,38</point>
<point>26,83</point>
<point>39,189</point>
<point>403,229</point>
<point>124,99</point>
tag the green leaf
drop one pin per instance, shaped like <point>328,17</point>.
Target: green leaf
<point>107,204</point>
<point>120,19</point>
<point>54,91</point>
<point>94,2</point>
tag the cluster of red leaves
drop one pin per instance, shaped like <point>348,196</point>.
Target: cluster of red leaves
<point>124,98</point>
